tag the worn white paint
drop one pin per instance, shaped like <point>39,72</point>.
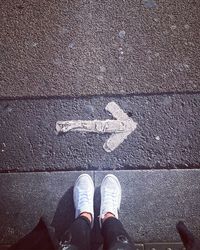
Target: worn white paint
<point>120,128</point>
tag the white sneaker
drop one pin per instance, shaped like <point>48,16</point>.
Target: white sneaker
<point>84,195</point>
<point>110,196</point>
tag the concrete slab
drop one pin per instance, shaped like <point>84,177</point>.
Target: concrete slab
<point>24,198</point>
<point>167,135</point>
<point>152,203</point>
<point>75,48</point>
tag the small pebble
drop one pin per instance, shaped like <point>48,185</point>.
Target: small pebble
<point>122,34</point>
<point>173,27</point>
<point>186,26</point>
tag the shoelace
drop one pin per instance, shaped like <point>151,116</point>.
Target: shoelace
<point>110,200</point>
<point>83,198</point>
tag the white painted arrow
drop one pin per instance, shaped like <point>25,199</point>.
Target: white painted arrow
<point>120,128</point>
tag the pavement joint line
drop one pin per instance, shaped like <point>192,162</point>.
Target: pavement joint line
<point>87,97</point>
<point>104,170</point>
<point>100,170</point>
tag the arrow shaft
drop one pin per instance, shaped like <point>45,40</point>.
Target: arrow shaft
<point>95,126</point>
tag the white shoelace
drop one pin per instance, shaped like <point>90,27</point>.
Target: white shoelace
<point>110,201</point>
<point>83,199</point>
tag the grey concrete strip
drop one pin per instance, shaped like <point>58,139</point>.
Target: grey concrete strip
<point>24,198</point>
<point>77,48</point>
<point>164,246</point>
<point>167,135</point>
<point>154,201</point>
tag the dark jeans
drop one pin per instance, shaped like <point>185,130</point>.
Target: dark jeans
<point>78,236</point>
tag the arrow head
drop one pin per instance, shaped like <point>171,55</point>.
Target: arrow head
<point>117,138</point>
<point>116,111</point>
<point>114,141</point>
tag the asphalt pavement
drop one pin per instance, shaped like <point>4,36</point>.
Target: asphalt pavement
<point>167,134</point>
<point>88,47</point>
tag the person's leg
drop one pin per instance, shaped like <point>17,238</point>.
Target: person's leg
<point>114,234</point>
<point>78,235</point>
